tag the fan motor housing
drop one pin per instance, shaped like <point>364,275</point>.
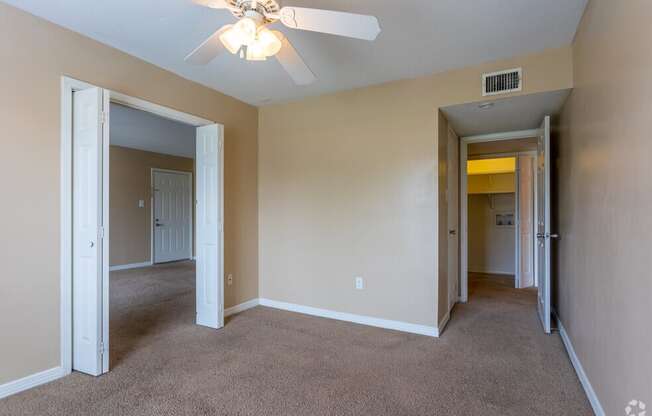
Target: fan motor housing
<point>255,8</point>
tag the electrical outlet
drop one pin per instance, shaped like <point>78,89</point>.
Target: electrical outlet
<point>141,203</point>
<point>359,283</point>
<point>229,279</point>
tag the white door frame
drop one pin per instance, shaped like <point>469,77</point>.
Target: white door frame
<point>453,297</point>
<point>68,87</point>
<point>464,213</point>
<point>151,209</point>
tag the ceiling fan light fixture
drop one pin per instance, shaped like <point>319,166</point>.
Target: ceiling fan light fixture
<point>266,45</point>
<point>250,39</point>
<point>231,40</point>
<point>268,41</point>
<point>246,29</point>
<point>255,52</point>
<point>241,34</point>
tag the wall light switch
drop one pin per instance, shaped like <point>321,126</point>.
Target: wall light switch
<point>229,280</point>
<point>141,203</point>
<point>359,283</point>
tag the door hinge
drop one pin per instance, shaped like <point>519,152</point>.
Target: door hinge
<point>101,348</point>
<point>103,117</point>
<point>101,232</point>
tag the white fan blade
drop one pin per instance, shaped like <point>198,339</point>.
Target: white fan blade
<point>326,21</point>
<point>208,50</point>
<point>290,60</point>
<point>214,4</point>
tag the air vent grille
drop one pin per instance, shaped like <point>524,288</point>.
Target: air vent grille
<point>502,82</point>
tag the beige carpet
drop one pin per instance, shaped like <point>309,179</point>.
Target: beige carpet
<point>492,360</point>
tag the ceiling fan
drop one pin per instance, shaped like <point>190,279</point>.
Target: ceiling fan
<point>250,38</point>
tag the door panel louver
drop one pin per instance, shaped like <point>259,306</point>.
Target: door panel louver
<point>502,82</point>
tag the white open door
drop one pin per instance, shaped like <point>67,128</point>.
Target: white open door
<point>210,242</point>
<point>452,194</point>
<point>87,231</point>
<point>543,224</point>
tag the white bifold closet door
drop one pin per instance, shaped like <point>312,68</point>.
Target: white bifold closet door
<point>87,231</point>
<point>209,222</point>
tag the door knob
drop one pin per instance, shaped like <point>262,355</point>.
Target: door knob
<point>548,235</point>
<point>452,232</point>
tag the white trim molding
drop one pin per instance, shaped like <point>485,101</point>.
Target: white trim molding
<point>508,135</point>
<point>430,331</point>
<point>496,272</point>
<point>241,307</point>
<point>130,266</point>
<point>31,381</point>
<point>159,110</point>
<point>443,323</point>
<point>581,374</point>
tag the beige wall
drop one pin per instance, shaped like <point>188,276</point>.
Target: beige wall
<point>492,249</point>
<point>130,172</point>
<point>605,199</point>
<point>34,55</point>
<point>348,187</point>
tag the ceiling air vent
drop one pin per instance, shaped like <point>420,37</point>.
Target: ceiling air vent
<point>502,82</point>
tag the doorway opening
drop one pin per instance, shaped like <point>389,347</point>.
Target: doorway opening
<point>503,202</point>
<point>501,206</point>
<point>501,197</point>
<point>106,184</point>
<point>152,273</point>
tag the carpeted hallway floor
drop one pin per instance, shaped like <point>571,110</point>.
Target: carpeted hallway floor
<point>493,359</point>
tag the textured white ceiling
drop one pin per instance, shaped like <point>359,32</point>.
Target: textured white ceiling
<point>418,37</point>
<point>140,130</point>
<point>510,114</point>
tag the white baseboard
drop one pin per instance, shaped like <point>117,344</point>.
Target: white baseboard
<point>349,317</point>
<point>241,307</point>
<point>588,388</point>
<point>130,266</point>
<point>31,381</point>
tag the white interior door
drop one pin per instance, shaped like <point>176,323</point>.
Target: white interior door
<point>87,232</point>
<point>526,221</point>
<point>543,225</point>
<point>452,193</point>
<point>210,234</point>
<point>172,216</point>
